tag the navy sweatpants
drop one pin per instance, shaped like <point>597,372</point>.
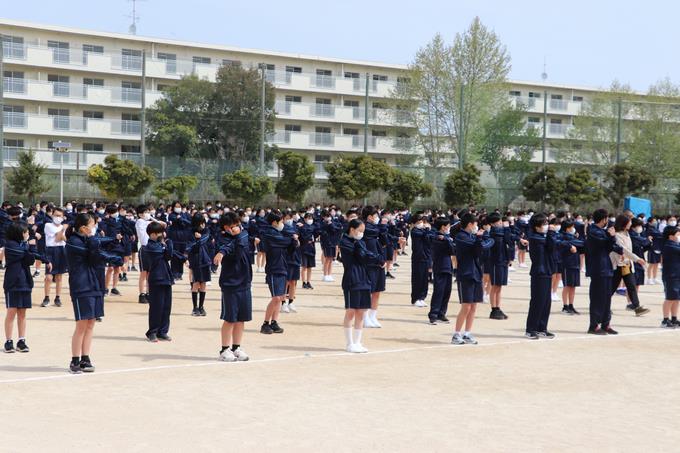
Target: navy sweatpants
<point>418,281</point>
<point>600,293</point>
<point>440,295</point>
<point>539,304</point>
<point>160,306</point>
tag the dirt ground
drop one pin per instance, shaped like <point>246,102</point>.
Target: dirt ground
<point>413,391</point>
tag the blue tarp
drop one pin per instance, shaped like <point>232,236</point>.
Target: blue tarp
<point>638,206</point>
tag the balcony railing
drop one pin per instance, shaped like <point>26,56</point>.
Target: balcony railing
<point>14,85</point>
<point>14,119</point>
<point>321,139</point>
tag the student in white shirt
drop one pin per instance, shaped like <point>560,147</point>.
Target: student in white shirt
<point>55,251</point>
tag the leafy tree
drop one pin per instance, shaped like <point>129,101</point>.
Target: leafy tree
<point>504,142</point>
<point>478,62</point>
<point>27,177</point>
<point>405,188</point>
<point>353,178</point>
<point>221,120</point>
<point>581,188</point>
<point>544,185</point>
<point>297,176</point>
<point>245,187</point>
<point>120,179</point>
<point>179,186</point>
<point>625,179</point>
<point>462,187</point>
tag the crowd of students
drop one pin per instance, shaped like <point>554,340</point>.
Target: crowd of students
<point>97,245</point>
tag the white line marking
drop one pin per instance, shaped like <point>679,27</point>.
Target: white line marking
<point>334,354</point>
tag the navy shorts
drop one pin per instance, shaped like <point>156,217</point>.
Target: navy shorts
<point>88,307</point>
<point>18,299</point>
<point>277,284</point>
<point>329,252</point>
<point>486,267</point>
<point>639,275</point>
<point>200,275</point>
<point>237,306</point>
<point>499,275</point>
<point>470,291</point>
<point>357,300</point>
<point>377,277</point>
<point>559,267</point>
<point>57,257</point>
<point>653,257</point>
<point>672,288</point>
<point>118,253</point>
<point>293,273</point>
<point>308,261</point>
<point>571,278</point>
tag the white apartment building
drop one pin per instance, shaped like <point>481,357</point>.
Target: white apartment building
<point>85,88</point>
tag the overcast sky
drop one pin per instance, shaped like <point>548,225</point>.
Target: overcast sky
<point>586,43</point>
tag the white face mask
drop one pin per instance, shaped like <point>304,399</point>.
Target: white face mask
<point>558,228</point>
<point>638,229</point>
<point>474,229</point>
<point>358,236</point>
<point>612,219</point>
<point>571,231</point>
<point>672,223</point>
<point>544,229</point>
<point>309,221</point>
<point>69,208</point>
<point>376,220</point>
<point>279,227</point>
<point>146,216</point>
<point>100,211</point>
<point>178,210</point>
<point>114,215</point>
<point>289,222</point>
<point>57,220</point>
<point>420,225</point>
<point>245,219</point>
<point>214,216</point>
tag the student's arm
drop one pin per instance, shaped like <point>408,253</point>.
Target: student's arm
<point>366,256</point>
<point>169,250</point>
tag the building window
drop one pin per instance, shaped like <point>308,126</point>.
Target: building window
<point>60,118</point>
<point>293,128</point>
<point>293,98</point>
<point>60,84</point>
<point>131,59</point>
<point>13,47</point>
<point>533,94</point>
<point>130,124</point>
<point>516,93</point>
<point>577,99</point>
<point>375,133</point>
<point>93,115</point>
<point>14,116</point>
<point>129,149</point>
<point>323,107</point>
<point>290,70</point>
<point>324,78</point>
<point>93,82</point>
<point>234,63</point>
<point>60,51</point>
<point>200,60</point>
<point>170,61</point>
<point>12,148</point>
<point>350,131</point>
<point>322,158</point>
<point>131,91</point>
<point>14,82</point>
<point>93,147</point>
<point>91,48</point>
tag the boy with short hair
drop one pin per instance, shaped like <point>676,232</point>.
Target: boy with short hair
<point>443,248</point>
<point>155,261</point>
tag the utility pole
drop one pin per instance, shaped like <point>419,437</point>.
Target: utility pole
<point>142,117</point>
<point>618,133</point>
<point>262,119</point>
<point>461,138</point>
<point>366,118</point>
<point>2,118</point>
<point>545,142</point>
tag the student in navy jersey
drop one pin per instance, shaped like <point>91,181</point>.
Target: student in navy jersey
<point>276,246</point>
<point>112,226</point>
<point>155,259</point>
<point>179,231</point>
<point>500,257</point>
<point>233,252</point>
<point>471,242</point>
<point>199,262</point>
<point>443,249</point>
<point>260,224</point>
<point>375,239</point>
<point>570,250</point>
<point>213,226</point>
<point>308,234</point>
<point>670,275</point>
<point>421,257</point>
<point>641,245</point>
<point>83,254</point>
<point>293,261</point>
<point>331,229</point>
<point>523,227</point>
<point>654,253</point>
<point>18,283</point>
<point>356,284</point>
<point>542,243</point>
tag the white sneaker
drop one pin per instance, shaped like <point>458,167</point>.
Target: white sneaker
<point>240,355</point>
<point>486,298</point>
<point>227,356</point>
<point>511,269</point>
<point>554,297</point>
<point>357,348</point>
<point>368,322</point>
<point>285,308</point>
<point>523,265</point>
<point>420,303</point>
<point>208,283</point>
<point>331,278</point>
<point>509,280</point>
<point>292,307</point>
<point>375,322</point>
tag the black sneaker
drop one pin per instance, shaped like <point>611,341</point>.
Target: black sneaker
<point>566,310</point>
<point>546,334</point>
<point>115,292</point>
<point>531,335</point>
<point>503,313</point>
<point>164,337</point>
<point>133,269</point>
<point>668,324</point>
<point>45,302</point>
<point>573,310</point>
<point>630,307</point>
<point>432,322</point>
<point>98,319</point>
<point>389,275</point>
<point>596,331</point>
<point>443,319</point>
<point>106,292</point>
<point>74,368</point>
<point>395,264</point>
<point>496,314</point>
<point>639,311</point>
<point>676,323</point>
<point>201,312</point>
<point>610,331</point>
<point>194,312</point>
<point>22,346</point>
<point>152,337</point>
<point>275,327</point>
<point>36,274</point>
<point>266,329</point>
<point>143,299</point>
<point>86,366</point>
<point>9,346</point>
<point>57,302</point>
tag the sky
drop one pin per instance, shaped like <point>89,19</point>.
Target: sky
<point>584,43</point>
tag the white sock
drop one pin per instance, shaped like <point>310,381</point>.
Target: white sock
<point>466,333</point>
<point>373,314</point>
<point>348,336</point>
<point>357,336</point>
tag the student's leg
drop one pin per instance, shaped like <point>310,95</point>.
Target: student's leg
<point>155,310</point>
<point>546,303</point>
<point>227,333</point>
<point>572,294</point>
<point>276,309</point>
<point>116,272</point>
<point>142,282</point>
<point>77,339</point>
<point>462,316</point>
<point>166,309</point>
<point>57,285</point>
<point>444,305</point>
<point>607,296</point>
<point>437,297</point>
<point>201,295</point>
<point>674,308</point>
<point>358,324</point>
<point>38,264</point>
<point>533,316</point>
<point>666,309</point>
<point>87,337</point>
<point>292,287</point>
<point>470,317</point>
<point>21,322</point>
<point>349,317</point>
<point>9,322</point>
<point>48,284</point>
<point>107,278</point>
<point>194,295</point>
<point>237,333</point>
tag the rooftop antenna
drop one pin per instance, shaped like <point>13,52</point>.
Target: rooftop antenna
<point>135,18</point>
<point>544,74</point>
